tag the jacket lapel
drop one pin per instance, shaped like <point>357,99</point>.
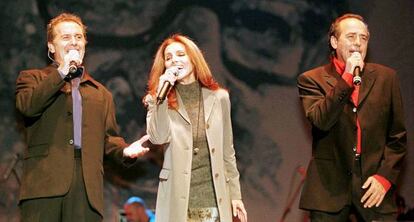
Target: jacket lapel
<point>209,101</point>
<point>330,75</point>
<point>368,80</point>
<point>181,108</point>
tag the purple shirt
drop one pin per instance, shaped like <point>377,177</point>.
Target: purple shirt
<point>76,110</point>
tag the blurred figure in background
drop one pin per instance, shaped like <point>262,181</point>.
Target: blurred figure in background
<point>136,210</point>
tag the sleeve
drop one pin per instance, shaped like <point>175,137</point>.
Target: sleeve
<point>322,108</point>
<point>232,174</point>
<point>396,141</point>
<point>114,143</point>
<point>158,121</point>
<point>36,90</point>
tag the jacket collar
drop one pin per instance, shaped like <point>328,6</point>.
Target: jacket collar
<point>209,101</point>
<point>87,78</point>
<point>368,76</point>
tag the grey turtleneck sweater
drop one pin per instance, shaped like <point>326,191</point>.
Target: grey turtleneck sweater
<point>201,187</point>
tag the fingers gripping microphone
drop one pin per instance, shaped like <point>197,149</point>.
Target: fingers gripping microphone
<point>357,78</point>
<point>165,89</point>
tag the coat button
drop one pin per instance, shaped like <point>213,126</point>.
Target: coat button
<point>220,200</point>
<point>69,113</point>
<point>213,150</point>
<point>216,175</point>
<point>196,150</point>
<point>354,110</point>
<point>207,126</point>
<point>71,141</point>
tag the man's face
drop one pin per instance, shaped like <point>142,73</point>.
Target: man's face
<point>135,213</point>
<point>68,36</point>
<point>353,37</point>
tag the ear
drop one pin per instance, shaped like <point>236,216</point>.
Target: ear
<point>51,47</point>
<point>334,42</point>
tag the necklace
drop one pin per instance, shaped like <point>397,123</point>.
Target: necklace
<point>196,140</point>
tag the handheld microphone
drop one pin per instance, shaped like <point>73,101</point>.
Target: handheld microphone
<point>73,65</point>
<point>357,78</point>
<point>165,89</point>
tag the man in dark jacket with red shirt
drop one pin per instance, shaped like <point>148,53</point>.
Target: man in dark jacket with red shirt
<point>359,135</point>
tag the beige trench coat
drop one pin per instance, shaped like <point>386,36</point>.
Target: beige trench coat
<point>172,127</point>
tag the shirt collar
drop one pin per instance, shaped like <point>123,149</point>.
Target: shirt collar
<point>339,65</point>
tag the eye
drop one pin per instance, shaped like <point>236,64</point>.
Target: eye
<point>364,38</point>
<point>181,53</point>
<point>65,37</point>
<point>350,36</point>
<point>79,37</point>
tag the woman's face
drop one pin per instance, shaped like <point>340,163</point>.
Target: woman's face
<point>175,55</point>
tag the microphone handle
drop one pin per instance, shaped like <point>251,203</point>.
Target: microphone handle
<point>357,78</point>
<point>166,87</point>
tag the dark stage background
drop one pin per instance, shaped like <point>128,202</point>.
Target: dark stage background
<point>255,48</point>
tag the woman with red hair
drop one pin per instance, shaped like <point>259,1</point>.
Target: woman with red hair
<point>199,180</point>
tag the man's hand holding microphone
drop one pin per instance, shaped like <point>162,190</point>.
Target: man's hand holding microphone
<point>69,68</point>
<point>354,65</point>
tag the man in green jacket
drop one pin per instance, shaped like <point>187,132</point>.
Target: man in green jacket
<point>70,125</point>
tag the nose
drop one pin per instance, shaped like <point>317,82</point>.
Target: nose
<point>174,59</point>
<point>357,41</point>
<point>73,40</point>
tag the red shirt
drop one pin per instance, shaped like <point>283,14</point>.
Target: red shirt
<point>348,77</point>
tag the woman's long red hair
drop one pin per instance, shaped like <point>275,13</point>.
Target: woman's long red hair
<point>201,70</point>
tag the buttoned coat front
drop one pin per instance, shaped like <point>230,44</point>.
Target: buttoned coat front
<point>45,102</point>
<point>173,128</point>
<point>326,99</point>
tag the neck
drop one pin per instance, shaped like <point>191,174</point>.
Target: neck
<point>188,79</point>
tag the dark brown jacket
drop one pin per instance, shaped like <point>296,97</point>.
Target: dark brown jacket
<point>45,102</point>
<point>327,104</point>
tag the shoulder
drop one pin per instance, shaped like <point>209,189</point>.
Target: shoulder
<point>37,75</point>
<point>314,73</point>
<point>98,85</point>
<point>380,72</point>
<point>221,94</point>
<point>38,71</point>
<point>375,67</point>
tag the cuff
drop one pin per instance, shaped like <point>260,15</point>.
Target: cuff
<point>384,182</point>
